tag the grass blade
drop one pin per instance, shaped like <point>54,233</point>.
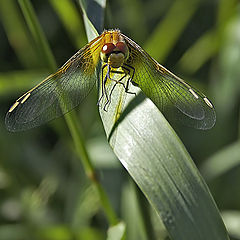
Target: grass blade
<point>217,165</point>
<point>116,232</point>
<point>176,19</point>
<point>38,35</point>
<point>156,159</point>
<point>71,21</point>
<point>15,29</point>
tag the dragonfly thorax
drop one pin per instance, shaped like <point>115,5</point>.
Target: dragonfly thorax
<point>114,54</point>
<point>116,60</point>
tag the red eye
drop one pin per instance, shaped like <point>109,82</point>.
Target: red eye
<point>108,48</point>
<point>122,47</point>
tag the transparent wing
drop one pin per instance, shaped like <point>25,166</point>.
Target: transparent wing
<point>58,93</point>
<point>175,98</point>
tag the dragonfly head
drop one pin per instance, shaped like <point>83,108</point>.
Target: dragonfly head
<point>114,54</point>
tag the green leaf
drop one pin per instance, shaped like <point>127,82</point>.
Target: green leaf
<point>153,155</point>
<point>90,233</point>
<point>15,29</point>
<point>101,153</point>
<point>38,35</point>
<point>156,159</point>
<point>227,87</point>
<point>168,31</point>
<point>71,20</point>
<point>217,165</point>
<point>131,212</point>
<point>55,232</point>
<point>116,232</point>
<point>209,43</point>
<point>232,221</point>
<point>201,51</point>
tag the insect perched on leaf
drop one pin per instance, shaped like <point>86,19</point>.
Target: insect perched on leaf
<point>120,56</point>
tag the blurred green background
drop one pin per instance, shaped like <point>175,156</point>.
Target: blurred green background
<point>44,193</point>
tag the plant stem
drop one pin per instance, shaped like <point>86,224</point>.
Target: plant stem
<point>38,35</point>
<point>71,118</point>
<point>89,169</point>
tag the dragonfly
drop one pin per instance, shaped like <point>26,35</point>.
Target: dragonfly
<point>113,53</point>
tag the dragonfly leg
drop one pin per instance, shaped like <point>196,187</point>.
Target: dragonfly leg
<point>127,71</point>
<point>103,87</point>
<point>131,72</point>
<point>117,81</point>
<point>110,96</point>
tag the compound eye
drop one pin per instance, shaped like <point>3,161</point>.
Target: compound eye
<point>108,48</point>
<point>122,47</point>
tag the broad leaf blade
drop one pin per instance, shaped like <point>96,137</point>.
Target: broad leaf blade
<point>156,159</point>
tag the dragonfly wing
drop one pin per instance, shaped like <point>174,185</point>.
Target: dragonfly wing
<point>57,94</point>
<point>175,98</point>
